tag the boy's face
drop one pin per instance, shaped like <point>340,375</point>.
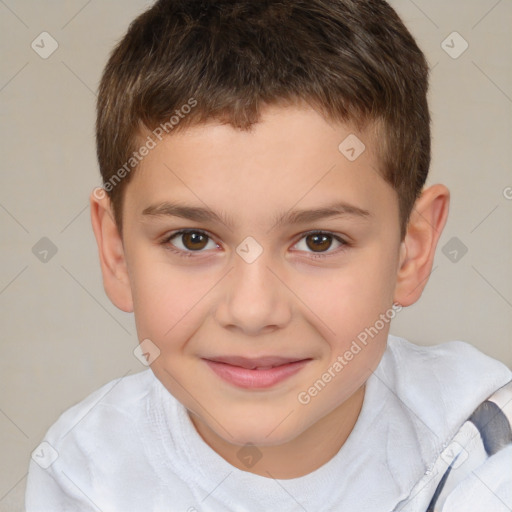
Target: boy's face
<point>305,297</point>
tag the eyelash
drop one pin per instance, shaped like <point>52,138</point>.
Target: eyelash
<point>188,254</point>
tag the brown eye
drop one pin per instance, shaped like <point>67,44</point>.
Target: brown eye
<point>189,241</point>
<point>319,242</point>
<point>194,241</point>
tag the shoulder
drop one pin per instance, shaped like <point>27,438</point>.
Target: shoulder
<point>436,388</point>
<point>449,353</point>
<point>486,487</point>
<point>475,471</point>
<point>119,401</point>
<point>455,375</point>
<point>87,454</point>
<point>432,392</point>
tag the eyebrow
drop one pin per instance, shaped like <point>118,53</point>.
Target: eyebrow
<point>200,214</point>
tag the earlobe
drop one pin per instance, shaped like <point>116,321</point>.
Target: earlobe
<point>111,252</point>
<point>417,251</point>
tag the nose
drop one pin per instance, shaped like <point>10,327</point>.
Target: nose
<point>253,298</point>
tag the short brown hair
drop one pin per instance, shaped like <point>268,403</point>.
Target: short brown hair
<point>352,60</point>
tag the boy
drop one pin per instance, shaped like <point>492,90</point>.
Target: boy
<point>264,216</point>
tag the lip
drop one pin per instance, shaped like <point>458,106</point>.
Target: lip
<point>243,372</point>
<point>254,362</point>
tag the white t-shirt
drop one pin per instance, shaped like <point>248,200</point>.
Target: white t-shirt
<point>131,446</point>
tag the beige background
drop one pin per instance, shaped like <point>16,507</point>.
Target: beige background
<point>61,336</point>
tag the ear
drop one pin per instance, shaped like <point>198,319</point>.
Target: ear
<point>111,251</point>
<point>417,251</point>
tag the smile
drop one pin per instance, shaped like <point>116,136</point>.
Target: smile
<point>258,373</point>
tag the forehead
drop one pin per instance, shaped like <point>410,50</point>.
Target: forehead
<point>292,157</point>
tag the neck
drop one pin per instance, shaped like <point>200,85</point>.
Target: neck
<point>321,442</point>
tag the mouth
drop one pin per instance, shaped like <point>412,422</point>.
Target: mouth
<point>255,373</point>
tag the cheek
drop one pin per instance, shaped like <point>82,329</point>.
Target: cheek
<point>166,300</point>
<point>376,274</point>
<point>350,296</point>
<point>348,303</point>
